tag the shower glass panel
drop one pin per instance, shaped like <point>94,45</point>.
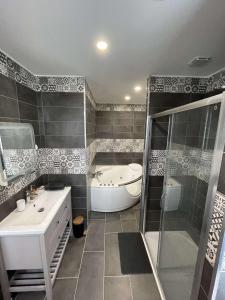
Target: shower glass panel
<point>189,155</point>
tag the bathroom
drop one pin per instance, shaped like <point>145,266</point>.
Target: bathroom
<point>112,181</point>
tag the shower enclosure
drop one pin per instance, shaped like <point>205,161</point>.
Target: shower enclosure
<point>191,164</point>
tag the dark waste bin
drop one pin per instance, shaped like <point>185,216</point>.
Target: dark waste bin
<point>78,227</point>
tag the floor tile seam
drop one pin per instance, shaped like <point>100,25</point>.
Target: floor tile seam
<point>75,291</point>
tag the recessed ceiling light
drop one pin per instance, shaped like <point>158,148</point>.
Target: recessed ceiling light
<point>137,88</point>
<point>127,97</point>
<point>102,45</point>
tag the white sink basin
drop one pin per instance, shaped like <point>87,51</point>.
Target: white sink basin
<point>32,220</point>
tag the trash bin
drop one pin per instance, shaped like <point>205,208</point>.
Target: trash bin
<point>78,226</point>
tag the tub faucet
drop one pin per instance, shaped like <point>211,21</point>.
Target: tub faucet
<point>96,174</point>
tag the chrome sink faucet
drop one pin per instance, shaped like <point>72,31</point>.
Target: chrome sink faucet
<point>31,193</point>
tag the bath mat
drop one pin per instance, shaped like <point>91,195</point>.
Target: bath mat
<point>133,256</point>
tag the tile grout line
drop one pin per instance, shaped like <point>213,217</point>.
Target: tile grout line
<point>103,290</point>
<point>131,293</point>
<point>75,291</point>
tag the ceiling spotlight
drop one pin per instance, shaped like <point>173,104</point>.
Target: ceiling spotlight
<point>137,88</point>
<point>127,97</point>
<point>102,45</point>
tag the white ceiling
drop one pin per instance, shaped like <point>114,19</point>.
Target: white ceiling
<point>145,37</point>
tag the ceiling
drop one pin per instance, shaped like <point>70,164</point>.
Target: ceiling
<point>58,37</point>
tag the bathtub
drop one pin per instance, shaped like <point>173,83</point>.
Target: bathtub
<point>115,188</point>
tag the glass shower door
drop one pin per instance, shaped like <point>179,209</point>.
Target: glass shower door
<point>188,163</point>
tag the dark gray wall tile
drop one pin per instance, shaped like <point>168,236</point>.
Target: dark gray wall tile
<point>9,108</point>
<point>64,128</point>
<point>26,94</point>
<point>63,114</point>
<point>27,111</point>
<point>64,141</point>
<point>7,87</point>
<point>63,99</point>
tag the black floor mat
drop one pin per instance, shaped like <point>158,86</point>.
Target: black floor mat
<point>133,256</point>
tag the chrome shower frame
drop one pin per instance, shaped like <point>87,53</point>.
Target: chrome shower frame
<point>213,181</point>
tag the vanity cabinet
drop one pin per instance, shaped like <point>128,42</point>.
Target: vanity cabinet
<point>36,251</point>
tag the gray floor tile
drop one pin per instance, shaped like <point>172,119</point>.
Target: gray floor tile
<point>137,206</point>
<point>144,287</point>
<point>113,216</point>
<point>31,295</point>
<point>117,288</point>
<point>113,226</point>
<point>90,283</point>
<point>127,214</point>
<point>137,213</point>
<point>95,236</point>
<point>72,258</point>
<point>64,289</point>
<point>112,255</point>
<point>129,225</point>
<point>97,215</point>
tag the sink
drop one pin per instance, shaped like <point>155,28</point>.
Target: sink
<point>36,215</point>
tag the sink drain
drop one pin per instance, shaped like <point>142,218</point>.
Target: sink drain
<point>41,209</point>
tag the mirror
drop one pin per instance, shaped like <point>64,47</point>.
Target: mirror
<point>18,153</point>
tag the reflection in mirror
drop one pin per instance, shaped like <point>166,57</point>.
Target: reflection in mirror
<point>17,151</point>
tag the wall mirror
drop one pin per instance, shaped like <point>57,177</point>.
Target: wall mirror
<point>18,153</point>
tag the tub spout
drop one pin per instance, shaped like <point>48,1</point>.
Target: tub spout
<point>96,174</point>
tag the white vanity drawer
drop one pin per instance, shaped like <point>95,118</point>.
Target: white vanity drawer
<point>55,233</point>
<point>56,220</point>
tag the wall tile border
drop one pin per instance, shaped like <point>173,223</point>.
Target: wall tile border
<point>121,107</point>
<point>62,161</point>
<point>13,70</point>
<point>120,145</point>
<point>215,227</point>
<point>182,84</point>
<point>17,185</point>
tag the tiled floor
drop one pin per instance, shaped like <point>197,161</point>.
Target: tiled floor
<point>91,266</point>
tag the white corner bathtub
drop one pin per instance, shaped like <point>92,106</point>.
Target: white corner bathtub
<point>117,187</point>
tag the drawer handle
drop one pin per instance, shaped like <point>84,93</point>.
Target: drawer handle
<point>57,222</point>
<point>65,206</point>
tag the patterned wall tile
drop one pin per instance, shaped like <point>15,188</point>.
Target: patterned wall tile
<point>20,161</point>
<point>75,84</point>
<point>216,81</point>
<point>120,145</point>
<point>215,227</point>
<point>62,161</point>
<point>120,107</point>
<point>17,185</point>
<point>189,161</point>
<point>11,69</point>
<point>166,84</point>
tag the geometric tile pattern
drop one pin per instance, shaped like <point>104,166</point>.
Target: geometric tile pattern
<point>166,84</point>
<point>20,161</point>
<point>215,227</point>
<point>190,161</point>
<point>216,81</point>
<point>13,70</point>
<point>16,186</point>
<point>120,145</point>
<point>157,163</point>
<point>182,84</point>
<point>119,107</point>
<point>62,161</point>
<point>60,84</point>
